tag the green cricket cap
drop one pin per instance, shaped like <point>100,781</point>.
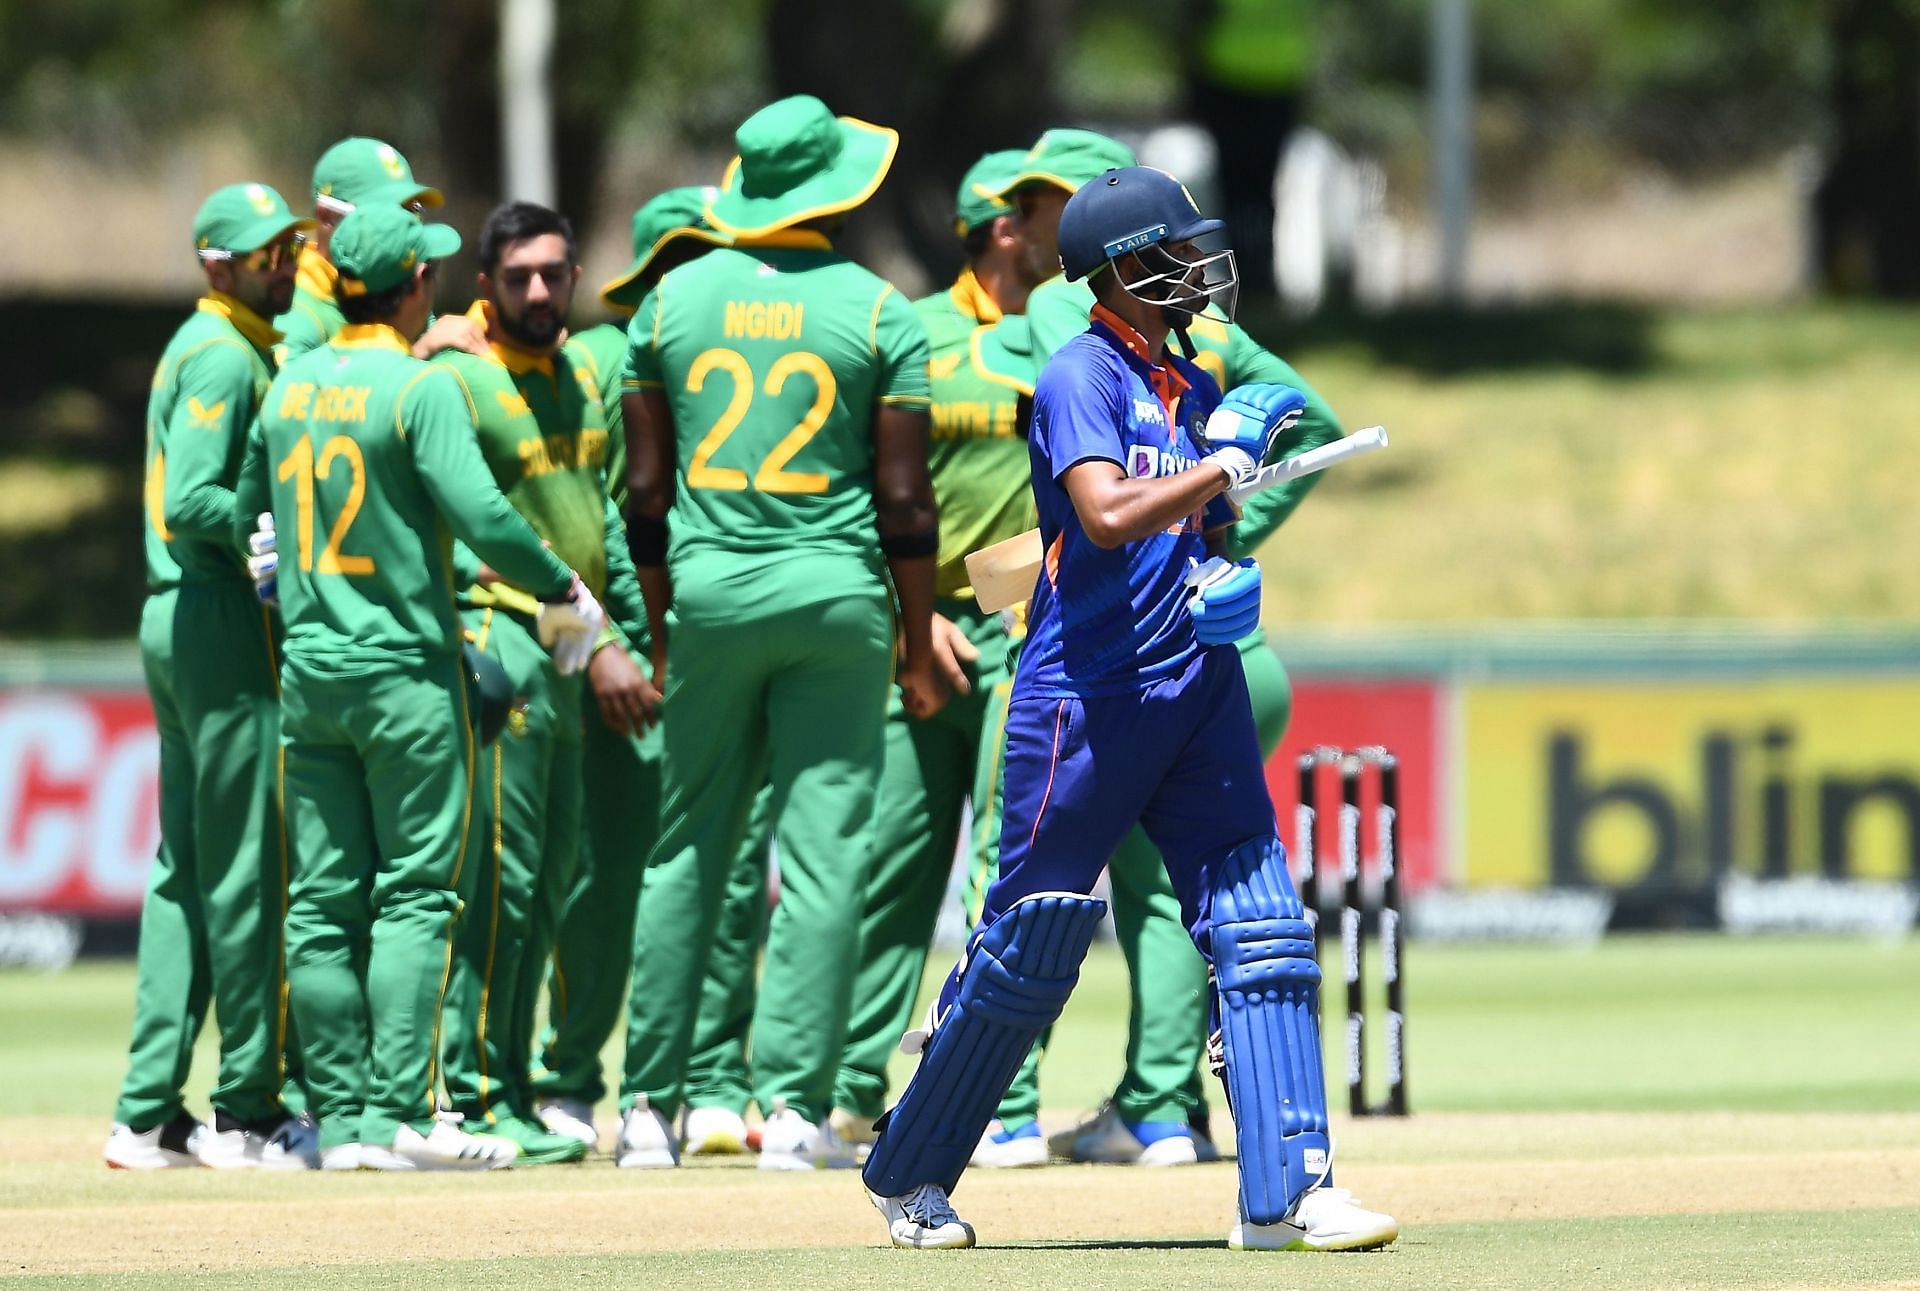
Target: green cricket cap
<point>1069,158</point>
<point>242,218</point>
<point>799,162</point>
<point>359,170</point>
<point>675,214</point>
<point>378,247</point>
<point>979,200</point>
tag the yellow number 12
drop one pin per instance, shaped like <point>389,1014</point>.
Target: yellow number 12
<point>299,467</point>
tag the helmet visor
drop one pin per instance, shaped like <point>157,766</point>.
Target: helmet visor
<point>1211,278</point>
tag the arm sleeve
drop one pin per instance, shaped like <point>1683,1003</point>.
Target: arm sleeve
<point>642,371</point>
<point>253,487</point>
<point>466,565</point>
<point>900,345</point>
<point>437,415</point>
<point>1076,417</point>
<point>625,608</point>
<point>1267,510</point>
<point>300,330</point>
<point>205,435</point>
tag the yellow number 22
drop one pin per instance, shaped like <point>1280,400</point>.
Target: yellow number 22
<point>772,475</point>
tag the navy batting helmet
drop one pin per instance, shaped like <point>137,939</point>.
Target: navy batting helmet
<point>1140,211</point>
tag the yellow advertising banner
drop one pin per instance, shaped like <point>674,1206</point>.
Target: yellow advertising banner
<point>1673,786</point>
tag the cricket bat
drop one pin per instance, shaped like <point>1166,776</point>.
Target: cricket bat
<point>1003,574</point>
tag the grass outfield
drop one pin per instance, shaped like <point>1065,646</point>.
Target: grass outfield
<point>1650,1112</point>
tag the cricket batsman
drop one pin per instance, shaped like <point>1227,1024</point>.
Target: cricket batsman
<point>1157,1114</point>
<point>353,173</point>
<point>366,462</point>
<point>216,899</point>
<point>1130,706</point>
<point>545,439</point>
<point>620,756</point>
<point>782,422</point>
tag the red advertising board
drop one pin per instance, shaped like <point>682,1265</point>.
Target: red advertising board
<point>79,815</point>
<point>1402,716</point>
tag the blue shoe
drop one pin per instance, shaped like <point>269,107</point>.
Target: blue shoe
<point>1019,1148</point>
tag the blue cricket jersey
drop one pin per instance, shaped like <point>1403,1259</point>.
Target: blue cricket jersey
<point>1106,622</point>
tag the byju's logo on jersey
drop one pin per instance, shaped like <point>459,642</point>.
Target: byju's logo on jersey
<point>1145,462</point>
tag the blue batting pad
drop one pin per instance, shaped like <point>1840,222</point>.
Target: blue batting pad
<point>1016,979</point>
<point>1269,985</point>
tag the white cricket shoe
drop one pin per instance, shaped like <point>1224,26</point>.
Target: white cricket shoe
<point>789,1141</point>
<point>445,1147</point>
<point>1324,1219</point>
<point>923,1220</point>
<point>341,1156</point>
<point>571,1118</point>
<point>175,1145</point>
<point>1108,1140</point>
<point>855,1131</point>
<point>647,1140</point>
<point>712,1132</point>
<point>1021,1149</point>
<point>289,1143</point>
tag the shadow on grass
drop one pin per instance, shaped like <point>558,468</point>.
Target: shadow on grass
<point>1118,1244</point>
<point>1610,338</point>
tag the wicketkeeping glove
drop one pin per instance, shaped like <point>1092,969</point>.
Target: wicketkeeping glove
<point>569,625</point>
<point>1242,430</point>
<point>263,562</point>
<point>1225,604</point>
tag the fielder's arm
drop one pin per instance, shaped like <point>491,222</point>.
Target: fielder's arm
<point>205,438</point>
<point>651,463</point>
<point>1318,426</point>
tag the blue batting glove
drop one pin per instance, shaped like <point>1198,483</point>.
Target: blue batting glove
<point>1225,604</point>
<point>1251,417</point>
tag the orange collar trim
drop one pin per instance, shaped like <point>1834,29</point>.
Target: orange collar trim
<point>371,336</point>
<point>258,331</point>
<point>1130,337</point>
<point>972,299</point>
<point>505,352</point>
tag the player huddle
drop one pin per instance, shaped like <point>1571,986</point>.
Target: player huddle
<point>491,660</point>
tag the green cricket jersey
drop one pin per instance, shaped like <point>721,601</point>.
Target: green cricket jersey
<point>313,318</point>
<point>1058,310</point>
<point>367,458</point>
<point>604,349</point>
<point>772,355</point>
<point>206,390</point>
<point>978,457</point>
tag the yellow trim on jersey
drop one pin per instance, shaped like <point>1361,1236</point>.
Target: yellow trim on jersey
<point>987,373</point>
<point>873,324</point>
<point>249,324</point>
<point>316,274</point>
<point>370,336</point>
<point>803,239</point>
<point>505,352</point>
<point>971,299</point>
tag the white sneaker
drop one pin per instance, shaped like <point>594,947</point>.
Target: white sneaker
<point>445,1147</point>
<point>291,1143</point>
<point>1106,1140</point>
<point>1324,1219</point>
<point>789,1141</point>
<point>1021,1150</point>
<point>570,1117</point>
<point>923,1220</point>
<point>647,1140</point>
<point>172,1146</point>
<point>856,1132</point>
<point>341,1156</point>
<point>712,1132</point>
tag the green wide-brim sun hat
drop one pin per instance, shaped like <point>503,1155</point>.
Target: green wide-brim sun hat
<point>1003,353</point>
<point>799,162</point>
<point>665,219</point>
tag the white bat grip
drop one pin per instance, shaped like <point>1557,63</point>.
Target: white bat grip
<point>1361,442</point>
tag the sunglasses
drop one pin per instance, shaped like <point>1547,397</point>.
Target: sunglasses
<point>267,259</point>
